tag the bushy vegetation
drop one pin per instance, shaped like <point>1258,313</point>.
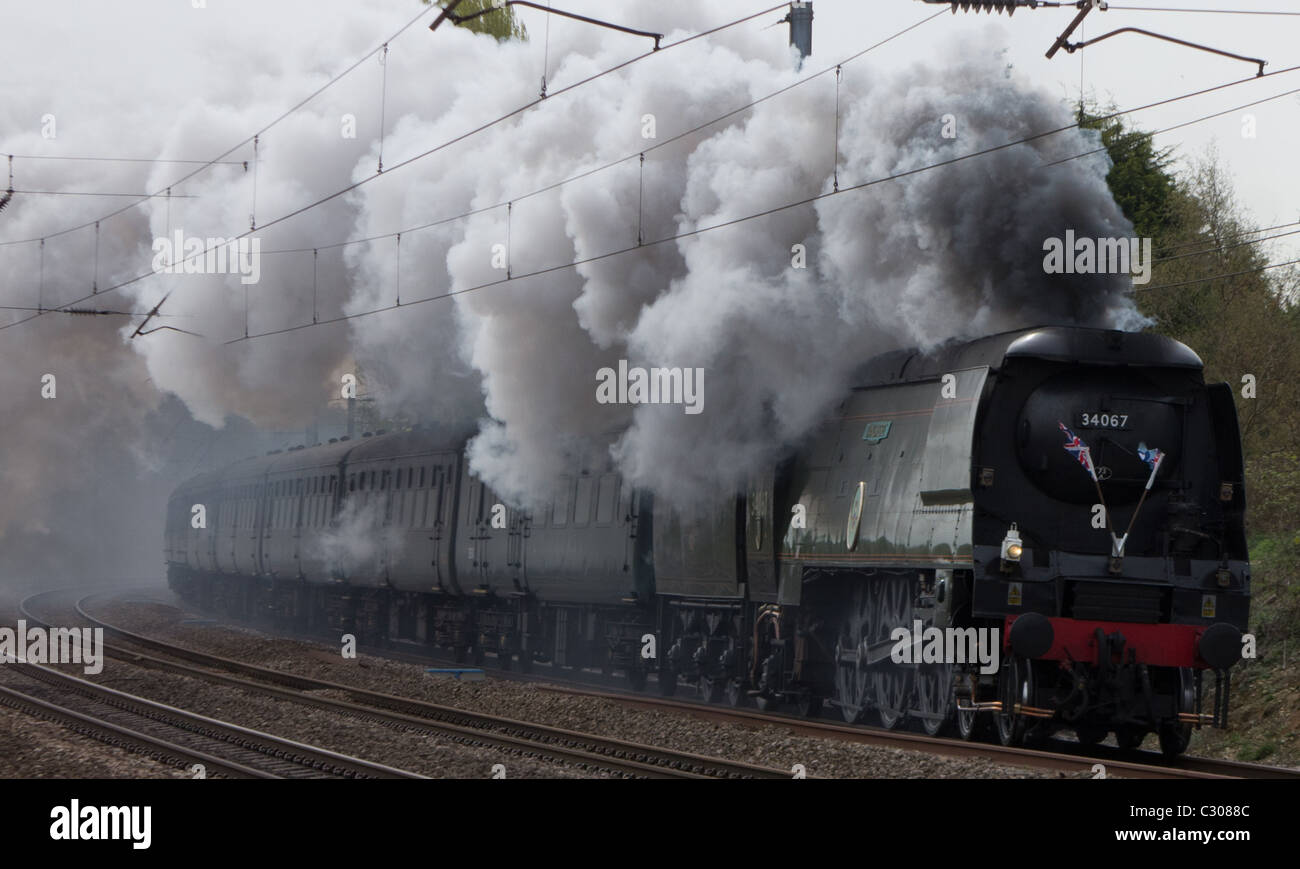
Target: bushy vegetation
<point>1212,289</point>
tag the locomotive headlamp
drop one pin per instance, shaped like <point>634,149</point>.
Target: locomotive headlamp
<point>1012,548</point>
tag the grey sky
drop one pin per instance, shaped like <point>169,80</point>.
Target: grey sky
<point>1129,70</point>
<point>63,47</point>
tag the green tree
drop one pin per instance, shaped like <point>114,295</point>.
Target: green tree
<point>1140,178</point>
<point>1210,290</point>
<point>501,24</point>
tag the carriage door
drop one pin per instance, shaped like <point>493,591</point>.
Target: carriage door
<point>477,519</point>
<point>518,530</point>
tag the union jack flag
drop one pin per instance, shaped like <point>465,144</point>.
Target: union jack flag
<point>1153,457</point>
<point>1077,448</point>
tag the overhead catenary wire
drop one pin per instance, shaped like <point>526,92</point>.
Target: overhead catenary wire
<point>1219,248</point>
<point>347,317</point>
<point>588,172</point>
<point>482,127</point>
<point>86,193</point>
<point>91,312</point>
<point>777,209</point>
<point>1208,278</point>
<point>101,159</point>
<point>218,160</point>
<point>790,205</point>
<point>1205,11</point>
<point>1237,234</point>
<point>1198,120</point>
<point>751,104</point>
<point>806,201</point>
<point>662,143</point>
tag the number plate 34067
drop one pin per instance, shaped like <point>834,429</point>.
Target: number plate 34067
<point>1101,419</point>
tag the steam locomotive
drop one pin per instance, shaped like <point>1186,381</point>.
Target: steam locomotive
<point>1032,531</point>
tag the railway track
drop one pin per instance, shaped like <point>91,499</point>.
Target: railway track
<point>1115,761</point>
<point>582,750</point>
<point>203,745</point>
<point>1058,756</point>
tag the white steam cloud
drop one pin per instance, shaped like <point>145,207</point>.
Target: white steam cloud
<point>952,252</point>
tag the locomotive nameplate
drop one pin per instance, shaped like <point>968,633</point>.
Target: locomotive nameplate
<point>875,432</point>
<point>1101,419</point>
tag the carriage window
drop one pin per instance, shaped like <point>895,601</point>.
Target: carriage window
<point>582,503</point>
<point>560,515</point>
<point>421,478</point>
<point>352,482</point>
<point>475,503</point>
<point>606,498</point>
<point>398,484</point>
<point>438,491</point>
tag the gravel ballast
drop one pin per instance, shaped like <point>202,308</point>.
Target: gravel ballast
<point>771,745</point>
<point>34,748</point>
